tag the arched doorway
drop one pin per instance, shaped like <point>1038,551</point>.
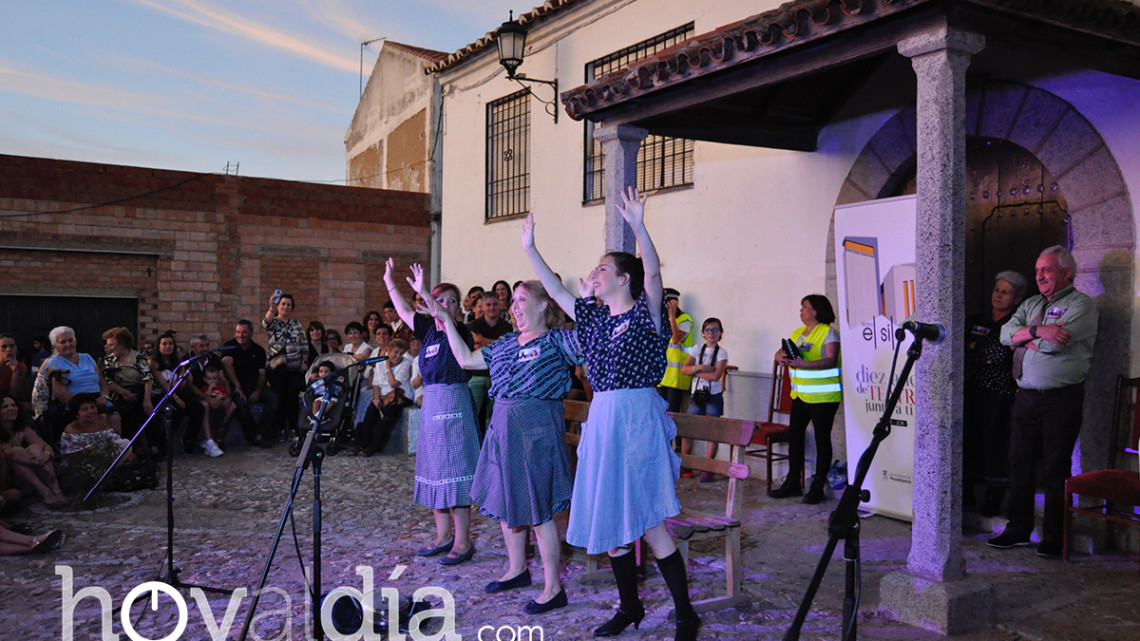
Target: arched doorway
<point>1014,208</point>
<point>1101,230</point>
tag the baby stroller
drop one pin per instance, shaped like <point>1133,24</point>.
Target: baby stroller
<point>337,421</point>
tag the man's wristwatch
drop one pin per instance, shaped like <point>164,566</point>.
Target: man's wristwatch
<point>1033,331</point>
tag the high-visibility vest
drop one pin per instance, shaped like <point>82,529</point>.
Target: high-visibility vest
<point>815,385</point>
<point>676,356</point>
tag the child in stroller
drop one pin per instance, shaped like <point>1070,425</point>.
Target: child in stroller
<point>336,421</point>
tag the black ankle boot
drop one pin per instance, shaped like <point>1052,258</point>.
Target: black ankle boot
<point>620,621</point>
<point>687,629</point>
<point>630,610</point>
<point>673,570</point>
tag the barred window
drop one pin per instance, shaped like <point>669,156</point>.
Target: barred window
<point>508,156</point>
<point>662,161</point>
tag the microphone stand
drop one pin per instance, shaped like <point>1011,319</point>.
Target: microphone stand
<point>844,520</point>
<point>313,454</point>
<point>170,577</point>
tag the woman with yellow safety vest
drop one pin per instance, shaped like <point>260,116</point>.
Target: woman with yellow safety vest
<point>816,392</point>
<point>675,384</point>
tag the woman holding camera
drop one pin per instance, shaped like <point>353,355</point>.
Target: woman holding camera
<point>71,373</point>
<point>816,393</point>
<point>130,383</point>
<point>706,364</point>
<point>288,349</point>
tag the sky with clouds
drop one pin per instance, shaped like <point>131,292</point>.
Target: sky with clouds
<point>196,84</point>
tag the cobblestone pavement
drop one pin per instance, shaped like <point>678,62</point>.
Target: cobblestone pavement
<point>227,511</point>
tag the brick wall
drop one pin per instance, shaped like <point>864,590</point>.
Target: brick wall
<point>201,250</point>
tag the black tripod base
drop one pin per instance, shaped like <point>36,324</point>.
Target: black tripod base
<point>170,577</point>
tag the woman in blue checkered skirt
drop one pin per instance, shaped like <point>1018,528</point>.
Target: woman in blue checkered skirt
<point>447,445</point>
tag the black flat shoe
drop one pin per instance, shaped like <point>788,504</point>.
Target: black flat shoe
<point>559,601</point>
<point>433,550</point>
<point>786,491</point>
<point>620,621</point>
<point>455,559</point>
<point>53,541</point>
<point>520,580</point>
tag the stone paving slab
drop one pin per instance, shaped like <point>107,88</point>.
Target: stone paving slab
<point>227,511</point>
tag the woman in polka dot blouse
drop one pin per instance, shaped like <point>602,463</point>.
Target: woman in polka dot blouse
<point>624,488</point>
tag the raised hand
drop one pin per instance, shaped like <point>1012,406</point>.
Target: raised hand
<point>585,288</point>
<point>417,279</point>
<point>632,206</point>
<point>432,308</point>
<point>389,267</point>
<point>528,231</point>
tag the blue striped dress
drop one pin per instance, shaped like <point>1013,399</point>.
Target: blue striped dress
<point>523,476</point>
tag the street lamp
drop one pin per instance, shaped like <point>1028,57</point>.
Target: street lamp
<point>511,37</point>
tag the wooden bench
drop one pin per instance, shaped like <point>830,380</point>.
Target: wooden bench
<point>693,525</point>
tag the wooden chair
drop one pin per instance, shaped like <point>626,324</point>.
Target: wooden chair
<point>775,429</point>
<point>576,413</point>
<point>1118,487</point>
<point>692,525</point>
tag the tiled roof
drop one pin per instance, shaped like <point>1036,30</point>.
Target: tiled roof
<point>430,55</point>
<point>537,14</point>
<point>790,24</point>
<point>802,21</point>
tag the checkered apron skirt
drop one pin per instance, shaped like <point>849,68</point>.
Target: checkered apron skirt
<point>523,477</point>
<point>447,447</point>
<point>627,471</point>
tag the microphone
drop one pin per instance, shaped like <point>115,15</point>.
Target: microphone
<point>932,333</point>
<point>371,361</point>
<point>224,348</point>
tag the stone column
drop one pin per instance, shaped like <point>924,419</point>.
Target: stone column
<point>935,592</point>
<point>620,145</point>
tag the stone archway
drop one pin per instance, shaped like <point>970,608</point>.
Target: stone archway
<point>1100,208</point>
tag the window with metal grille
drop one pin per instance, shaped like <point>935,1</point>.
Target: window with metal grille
<point>662,162</point>
<point>508,156</point>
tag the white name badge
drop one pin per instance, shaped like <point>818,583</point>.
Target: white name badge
<point>431,351</point>
<point>529,354</point>
<point>620,329</point>
<point>1056,312</point>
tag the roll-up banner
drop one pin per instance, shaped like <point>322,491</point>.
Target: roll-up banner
<point>875,271</point>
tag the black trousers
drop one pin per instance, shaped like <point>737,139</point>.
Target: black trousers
<point>822,417</point>
<point>193,413</point>
<point>287,384</point>
<point>676,398</point>
<point>374,431</point>
<point>985,437</point>
<point>251,428</point>
<point>1044,424</point>
<point>131,417</point>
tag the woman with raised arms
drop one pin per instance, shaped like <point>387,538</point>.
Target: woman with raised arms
<point>625,484</point>
<point>447,444</point>
<point>523,476</point>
